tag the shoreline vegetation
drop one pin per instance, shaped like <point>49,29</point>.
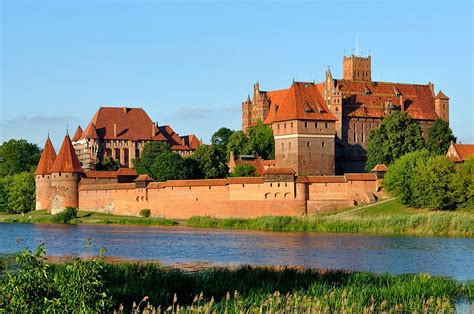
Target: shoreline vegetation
<point>388,218</point>
<point>32,284</point>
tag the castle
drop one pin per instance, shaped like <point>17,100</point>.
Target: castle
<point>121,133</point>
<point>320,130</point>
<point>323,128</point>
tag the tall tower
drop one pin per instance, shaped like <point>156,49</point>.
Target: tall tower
<point>43,176</point>
<point>442,106</point>
<point>333,97</point>
<point>357,68</point>
<point>65,176</point>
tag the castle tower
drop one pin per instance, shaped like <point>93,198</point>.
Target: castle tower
<point>65,176</point>
<point>255,109</point>
<point>43,176</point>
<point>357,68</point>
<point>246,113</point>
<point>442,106</point>
<point>333,98</point>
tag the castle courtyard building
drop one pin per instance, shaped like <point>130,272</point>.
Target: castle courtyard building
<point>334,118</point>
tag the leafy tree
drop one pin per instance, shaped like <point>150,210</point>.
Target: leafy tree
<point>17,156</point>
<point>212,161</point>
<point>396,136</point>
<point>431,184</point>
<point>238,143</point>
<point>191,169</point>
<point>3,194</point>
<point>244,171</point>
<point>261,141</point>
<point>151,151</point>
<point>20,192</point>
<point>463,184</point>
<point>399,177</point>
<point>440,136</point>
<point>168,166</point>
<point>108,164</point>
<point>221,137</point>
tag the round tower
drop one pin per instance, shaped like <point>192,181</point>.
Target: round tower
<point>65,177</point>
<point>43,176</point>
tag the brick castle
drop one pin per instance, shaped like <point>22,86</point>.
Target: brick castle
<point>320,130</point>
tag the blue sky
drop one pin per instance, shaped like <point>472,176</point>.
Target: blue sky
<point>191,64</point>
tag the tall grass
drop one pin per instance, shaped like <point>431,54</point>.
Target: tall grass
<point>432,223</point>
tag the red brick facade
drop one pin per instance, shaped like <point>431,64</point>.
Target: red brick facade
<point>352,106</point>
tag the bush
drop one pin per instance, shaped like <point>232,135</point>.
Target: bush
<point>66,216</point>
<point>37,288</point>
<point>145,213</point>
<point>244,171</point>
<point>463,185</point>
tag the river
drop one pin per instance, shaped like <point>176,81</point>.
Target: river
<point>451,257</point>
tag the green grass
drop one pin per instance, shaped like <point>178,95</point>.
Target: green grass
<point>388,218</point>
<point>84,217</point>
<point>268,289</point>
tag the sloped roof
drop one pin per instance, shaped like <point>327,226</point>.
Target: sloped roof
<point>418,99</point>
<point>191,141</point>
<point>380,167</point>
<point>256,163</point>
<point>143,177</point>
<point>46,162</point>
<point>441,95</point>
<point>90,132</point>
<point>77,134</point>
<point>360,176</point>
<point>465,151</point>
<point>302,101</point>
<point>280,171</point>
<point>67,159</point>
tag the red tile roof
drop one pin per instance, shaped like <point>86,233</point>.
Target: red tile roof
<point>77,134</point>
<point>280,171</point>
<point>127,172</point>
<point>186,183</point>
<point>368,99</point>
<point>441,95</point>
<point>67,159</point>
<point>360,177</point>
<point>326,179</point>
<point>46,162</point>
<point>143,177</point>
<point>380,167</point>
<point>256,163</point>
<point>101,174</point>
<point>107,186</point>
<point>90,132</point>
<point>465,151</point>
<point>192,141</point>
<point>302,101</point>
<point>245,180</point>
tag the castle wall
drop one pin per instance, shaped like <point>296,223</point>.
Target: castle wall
<point>227,198</point>
<point>43,191</point>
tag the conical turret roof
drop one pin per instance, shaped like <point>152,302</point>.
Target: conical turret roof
<point>441,95</point>
<point>67,159</point>
<point>46,162</point>
<point>78,134</point>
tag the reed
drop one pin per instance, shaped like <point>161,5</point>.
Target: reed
<point>387,218</point>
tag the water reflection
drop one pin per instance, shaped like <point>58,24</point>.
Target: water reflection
<point>453,257</point>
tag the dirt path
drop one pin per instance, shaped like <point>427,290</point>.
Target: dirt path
<point>363,207</point>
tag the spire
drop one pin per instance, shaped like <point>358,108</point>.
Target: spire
<point>441,95</point>
<point>67,159</point>
<point>48,156</point>
<point>78,134</point>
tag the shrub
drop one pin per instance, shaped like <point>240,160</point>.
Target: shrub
<point>65,216</point>
<point>244,171</point>
<point>463,185</point>
<point>145,213</point>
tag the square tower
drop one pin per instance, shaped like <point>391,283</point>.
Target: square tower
<point>357,68</point>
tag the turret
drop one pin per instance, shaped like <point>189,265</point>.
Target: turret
<point>43,176</point>
<point>442,106</point>
<point>65,177</point>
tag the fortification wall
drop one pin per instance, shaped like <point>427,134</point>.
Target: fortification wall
<point>226,198</point>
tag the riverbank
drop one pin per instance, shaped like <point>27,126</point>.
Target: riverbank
<point>258,289</point>
<point>389,217</point>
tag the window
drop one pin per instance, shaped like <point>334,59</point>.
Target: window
<point>284,125</point>
<point>355,137</point>
<point>278,126</point>
<point>323,144</point>
<point>308,144</point>
<point>316,124</point>
<point>289,145</point>
<point>282,146</point>
<point>362,137</point>
<point>306,124</point>
<point>326,125</point>
<point>291,125</point>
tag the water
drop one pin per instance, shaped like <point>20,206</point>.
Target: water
<point>451,257</point>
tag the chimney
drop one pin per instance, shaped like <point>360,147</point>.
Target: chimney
<point>402,103</point>
<point>432,88</point>
<point>154,128</point>
<point>115,129</point>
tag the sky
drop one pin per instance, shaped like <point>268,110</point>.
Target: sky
<point>191,64</point>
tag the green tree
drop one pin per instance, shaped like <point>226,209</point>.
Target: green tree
<point>108,164</point>
<point>191,169</point>
<point>212,161</point>
<point>17,156</point>
<point>221,137</point>
<point>238,143</point>
<point>440,136</point>
<point>151,151</point>
<point>431,184</point>
<point>20,193</point>
<point>168,166</point>
<point>3,194</point>
<point>462,184</point>
<point>261,142</point>
<point>244,171</point>
<point>399,177</point>
<point>396,136</point>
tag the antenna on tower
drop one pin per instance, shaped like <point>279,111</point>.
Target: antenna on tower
<point>357,45</point>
